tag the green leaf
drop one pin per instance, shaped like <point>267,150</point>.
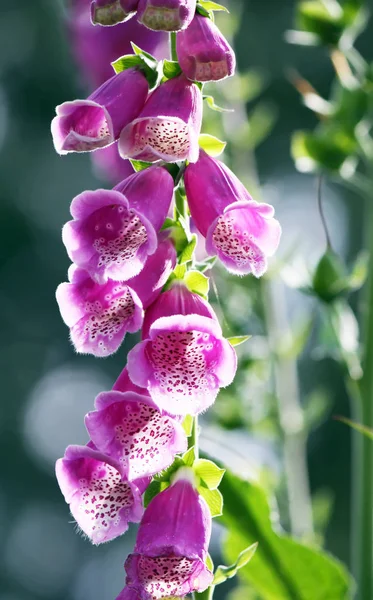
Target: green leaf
<point>367,431</point>
<point>153,490</point>
<point>142,59</point>
<point>214,500</point>
<point>197,283</point>
<point>211,144</point>
<point>328,149</point>
<point>282,568</point>
<point>208,5</point>
<point>223,573</point>
<point>209,472</point>
<point>329,280</point>
<point>189,457</point>
<point>187,253</point>
<point>211,104</point>
<point>238,339</point>
<point>139,165</point>
<point>171,69</point>
<point>188,425</point>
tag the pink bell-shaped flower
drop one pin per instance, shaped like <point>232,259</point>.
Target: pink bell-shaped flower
<point>185,359</point>
<point>99,316</point>
<point>131,430</point>
<point>169,125</point>
<point>108,165</point>
<point>114,231</point>
<point>166,15</point>
<point>101,502</point>
<point>241,232</point>
<point>111,12</point>
<point>85,125</point>
<point>171,546</point>
<point>203,52</point>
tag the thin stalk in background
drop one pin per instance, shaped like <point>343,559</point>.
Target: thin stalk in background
<point>362,550</point>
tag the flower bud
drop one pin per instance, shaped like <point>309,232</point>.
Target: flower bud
<point>203,52</point>
<point>166,15</point>
<point>111,12</point>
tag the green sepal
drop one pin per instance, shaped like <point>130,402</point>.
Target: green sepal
<point>139,165</point>
<point>211,144</point>
<point>214,500</point>
<point>171,69</point>
<point>143,60</point>
<point>223,573</point>
<point>210,101</point>
<point>238,339</point>
<point>197,283</point>
<point>209,473</point>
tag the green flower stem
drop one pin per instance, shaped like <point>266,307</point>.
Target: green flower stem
<point>193,439</point>
<point>173,52</point>
<point>362,549</point>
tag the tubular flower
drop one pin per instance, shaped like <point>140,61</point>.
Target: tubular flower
<point>184,360</point>
<point>131,430</point>
<point>240,231</point>
<point>85,125</point>
<point>166,15</point>
<point>169,125</point>
<point>172,541</point>
<point>114,231</point>
<point>111,12</point>
<point>203,52</point>
<point>101,502</point>
<point>99,316</point>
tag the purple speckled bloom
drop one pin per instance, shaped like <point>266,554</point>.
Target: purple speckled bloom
<point>240,231</point>
<point>111,12</point>
<point>101,502</point>
<point>85,125</point>
<point>203,52</point>
<point>171,546</point>
<point>114,231</point>
<point>184,360</point>
<point>95,48</point>
<point>99,316</point>
<point>131,430</point>
<point>169,125</point>
<point>166,15</point>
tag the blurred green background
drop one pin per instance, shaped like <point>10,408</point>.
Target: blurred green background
<point>47,389</point>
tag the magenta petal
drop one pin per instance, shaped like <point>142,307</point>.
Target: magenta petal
<point>100,501</point>
<point>130,429</point>
<point>149,282</point>
<point>169,125</point>
<point>166,576</point>
<point>166,15</point>
<point>211,187</point>
<point>176,301</point>
<point>203,52</point>
<point>99,316</point>
<point>181,363</point>
<point>149,192</point>
<point>108,238</point>
<point>124,384</point>
<point>243,237</point>
<point>108,165</point>
<point>85,125</point>
<point>177,521</point>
